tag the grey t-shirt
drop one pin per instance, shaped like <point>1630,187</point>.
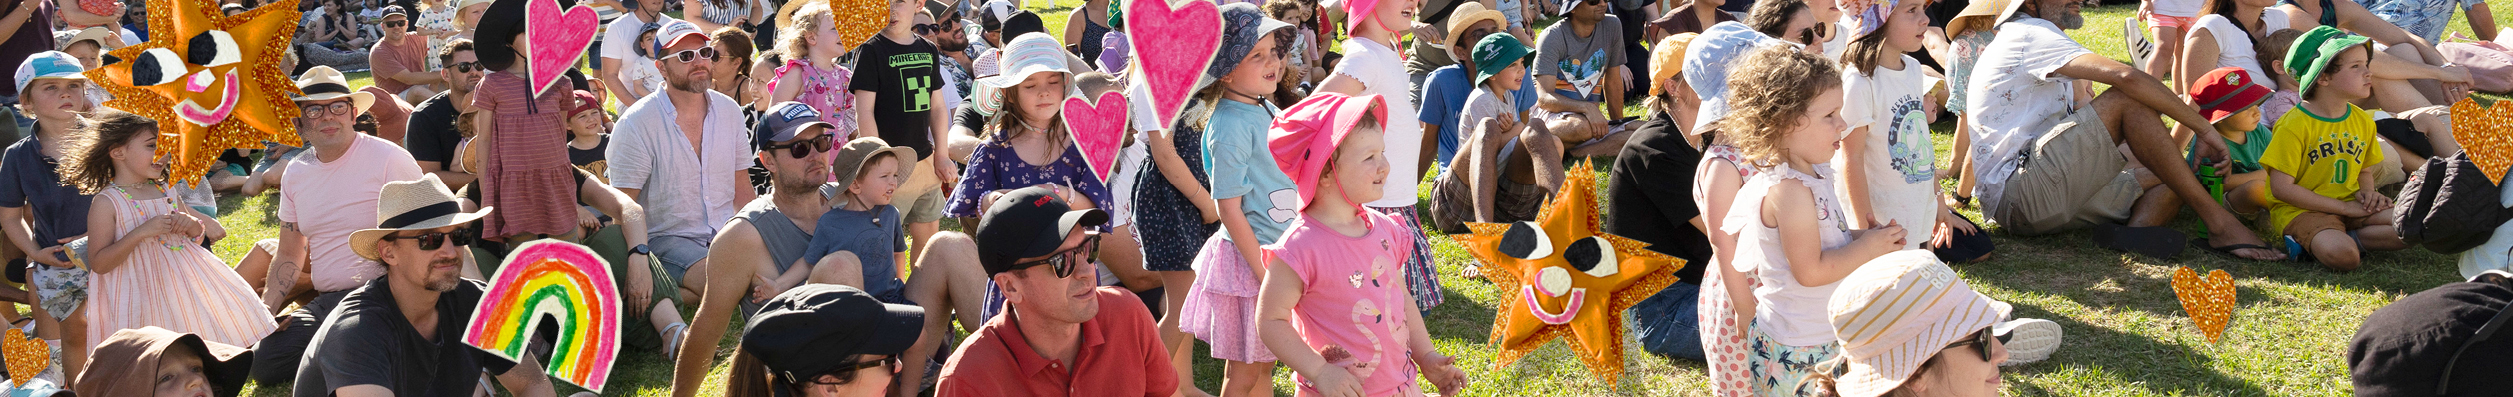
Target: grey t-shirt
<point>1578,64</point>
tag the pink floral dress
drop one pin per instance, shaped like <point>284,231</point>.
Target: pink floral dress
<point>825,90</point>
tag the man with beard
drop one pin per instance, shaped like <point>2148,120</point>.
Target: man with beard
<point>1061,333</point>
<point>400,334</point>
<point>431,137</point>
<point>2032,184</point>
<point>940,25</point>
<point>682,156</point>
<point>330,191</point>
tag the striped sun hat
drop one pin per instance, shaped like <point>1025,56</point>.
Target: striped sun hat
<point>1897,311</point>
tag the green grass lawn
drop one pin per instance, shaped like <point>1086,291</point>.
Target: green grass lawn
<point>2126,333</point>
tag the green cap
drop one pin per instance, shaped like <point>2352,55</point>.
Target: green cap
<point>2314,51</point>
<point>1495,52</point>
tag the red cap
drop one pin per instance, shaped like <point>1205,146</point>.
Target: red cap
<point>585,101</point>
<point>2226,91</point>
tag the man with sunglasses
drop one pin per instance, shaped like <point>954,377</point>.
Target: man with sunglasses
<point>940,25</point>
<point>1063,333</point>
<point>430,134</point>
<point>400,59</point>
<point>396,333</point>
<point>331,189</point>
<point>682,154</point>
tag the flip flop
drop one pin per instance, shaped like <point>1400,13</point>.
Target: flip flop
<point>2228,250</point>
<point>2153,241</point>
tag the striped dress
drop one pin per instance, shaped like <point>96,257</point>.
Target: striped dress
<point>527,177</point>
<point>171,282</point>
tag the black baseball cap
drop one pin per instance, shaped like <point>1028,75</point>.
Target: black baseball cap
<point>1027,223</point>
<point>815,328</point>
<point>1022,22</point>
<point>2408,348</point>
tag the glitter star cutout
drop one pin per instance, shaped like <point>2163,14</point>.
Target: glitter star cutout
<point>1561,276</point>
<point>214,82</point>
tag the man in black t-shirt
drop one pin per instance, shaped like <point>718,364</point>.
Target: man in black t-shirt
<point>431,136</point>
<point>896,84</point>
<point>372,347</point>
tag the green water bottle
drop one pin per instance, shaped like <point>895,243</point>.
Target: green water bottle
<point>2215,183</point>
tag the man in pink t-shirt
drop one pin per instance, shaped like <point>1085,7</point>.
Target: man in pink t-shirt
<point>331,192</point>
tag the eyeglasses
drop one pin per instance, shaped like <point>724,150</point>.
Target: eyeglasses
<point>1059,261</point>
<point>432,241</point>
<point>685,56</point>
<point>846,371</point>
<point>335,109</point>
<point>1979,341</point>
<point>465,67</point>
<point>804,147</point>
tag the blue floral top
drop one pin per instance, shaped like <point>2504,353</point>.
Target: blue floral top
<point>997,166</point>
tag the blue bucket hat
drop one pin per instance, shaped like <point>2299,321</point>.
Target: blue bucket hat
<point>1242,25</point>
<point>1706,64</point>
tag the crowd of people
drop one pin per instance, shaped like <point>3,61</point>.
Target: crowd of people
<point>750,167</point>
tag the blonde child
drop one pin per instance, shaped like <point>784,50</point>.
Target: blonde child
<point>1369,69</point>
<point>1335,272</point>
<point>1789,223</point>
<point>144,245</point>
<point>1257,200</point>
<point>811,73</point>
<point>1889,163</point>
<point>2320,157</point>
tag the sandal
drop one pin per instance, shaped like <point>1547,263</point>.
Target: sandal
<point>2228,250</point>
<point>672,335</point>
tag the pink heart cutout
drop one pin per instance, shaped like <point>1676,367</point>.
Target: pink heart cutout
<point>1173,45</point>
<point>556,39</point>
<point>1097,129</point>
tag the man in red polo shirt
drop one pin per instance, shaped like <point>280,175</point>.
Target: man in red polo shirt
<point>1063,335</point>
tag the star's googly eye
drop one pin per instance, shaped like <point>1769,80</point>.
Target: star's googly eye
<point>213,48</point>
<point>158,66</point>
<point>1593,255</point>
<point>1525,240</point>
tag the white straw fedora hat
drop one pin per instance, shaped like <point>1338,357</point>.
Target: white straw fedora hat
<point>419,204</point>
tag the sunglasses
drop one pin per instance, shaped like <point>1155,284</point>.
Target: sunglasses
<point>805,147</point>
<point>1061,262</point>
<point>396,23</point>
<point>465,67</point>
<point>1979,341</point>
<point>334,109</point>
<point>686,56</point>
<point>845,371</point>
<point>432,241</point>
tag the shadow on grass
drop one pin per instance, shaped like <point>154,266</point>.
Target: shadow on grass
<point>2159,367</point>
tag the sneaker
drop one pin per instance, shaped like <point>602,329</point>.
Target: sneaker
<point>2139,47</point>
<point>2028,340</point>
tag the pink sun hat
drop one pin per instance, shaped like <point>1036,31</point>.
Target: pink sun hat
<point>1305,137</point>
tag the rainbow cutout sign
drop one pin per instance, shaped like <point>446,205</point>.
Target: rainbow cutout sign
<point>560,280</point>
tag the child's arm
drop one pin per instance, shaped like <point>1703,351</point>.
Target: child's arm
<point>1274,317</point>
<point>1164,148</point>
<point>1242,235</point>
<point>2284,188</point>
<point>2372,200</point>
<point>1854,177</point>
<point>211,230</point>
<point>107,249</point>
<point>1792,208</point>
<point>1438,368</point>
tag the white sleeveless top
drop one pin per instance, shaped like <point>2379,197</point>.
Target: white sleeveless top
<point>2233,48</point>
<point>1790,313</point>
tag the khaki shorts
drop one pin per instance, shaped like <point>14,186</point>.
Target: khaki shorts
<point>923,189</point>
<point>2073,177</point>
<point>1452,202</point>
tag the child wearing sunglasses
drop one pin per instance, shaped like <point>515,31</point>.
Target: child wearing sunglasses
<point>145,248</point>
<point>526,174</point>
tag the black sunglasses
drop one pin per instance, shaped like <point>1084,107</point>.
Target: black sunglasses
<point>1059,261</point>
<point>931,28</point>
<point>847,371</point>
<point>432,241</point>
<point>465,67</point>
<point>396,24</point>
<point>1979,341</point>
<point>804,147</point>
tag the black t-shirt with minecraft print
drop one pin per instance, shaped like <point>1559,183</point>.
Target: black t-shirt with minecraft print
<point>899,76</point>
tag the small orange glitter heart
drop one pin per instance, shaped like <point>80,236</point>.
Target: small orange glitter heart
<point>2486,133</point>
<point>26,357</point>
<point>2209,300</point>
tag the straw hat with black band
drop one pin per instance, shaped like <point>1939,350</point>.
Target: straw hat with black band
<point>413,205</point>
<point>322,83</point>
<point>1467,15</point>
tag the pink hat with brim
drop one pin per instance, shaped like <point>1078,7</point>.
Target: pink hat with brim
<point>1356,11</point>
<point>1305,137</point>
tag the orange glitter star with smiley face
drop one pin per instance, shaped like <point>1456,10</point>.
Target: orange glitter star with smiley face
<point>1560,275</point>
<point>214,81</point>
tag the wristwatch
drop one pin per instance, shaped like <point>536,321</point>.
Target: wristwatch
<point>641,249</point>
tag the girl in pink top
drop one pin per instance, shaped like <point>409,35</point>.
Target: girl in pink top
<point>1334,305</point>
<point>145,246</point>
<point>811,74</point>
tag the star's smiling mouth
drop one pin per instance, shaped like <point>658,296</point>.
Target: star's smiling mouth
<point>193,112</point>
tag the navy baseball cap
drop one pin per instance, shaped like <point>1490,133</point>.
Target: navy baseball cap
<point>783,122</point>
<point>815,328</point>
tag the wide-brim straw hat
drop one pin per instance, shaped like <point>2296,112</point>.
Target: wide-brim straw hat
<point>1981,14</point>
<point>1466,16</point>
<point>420,204</point>
<point>322,83</point>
